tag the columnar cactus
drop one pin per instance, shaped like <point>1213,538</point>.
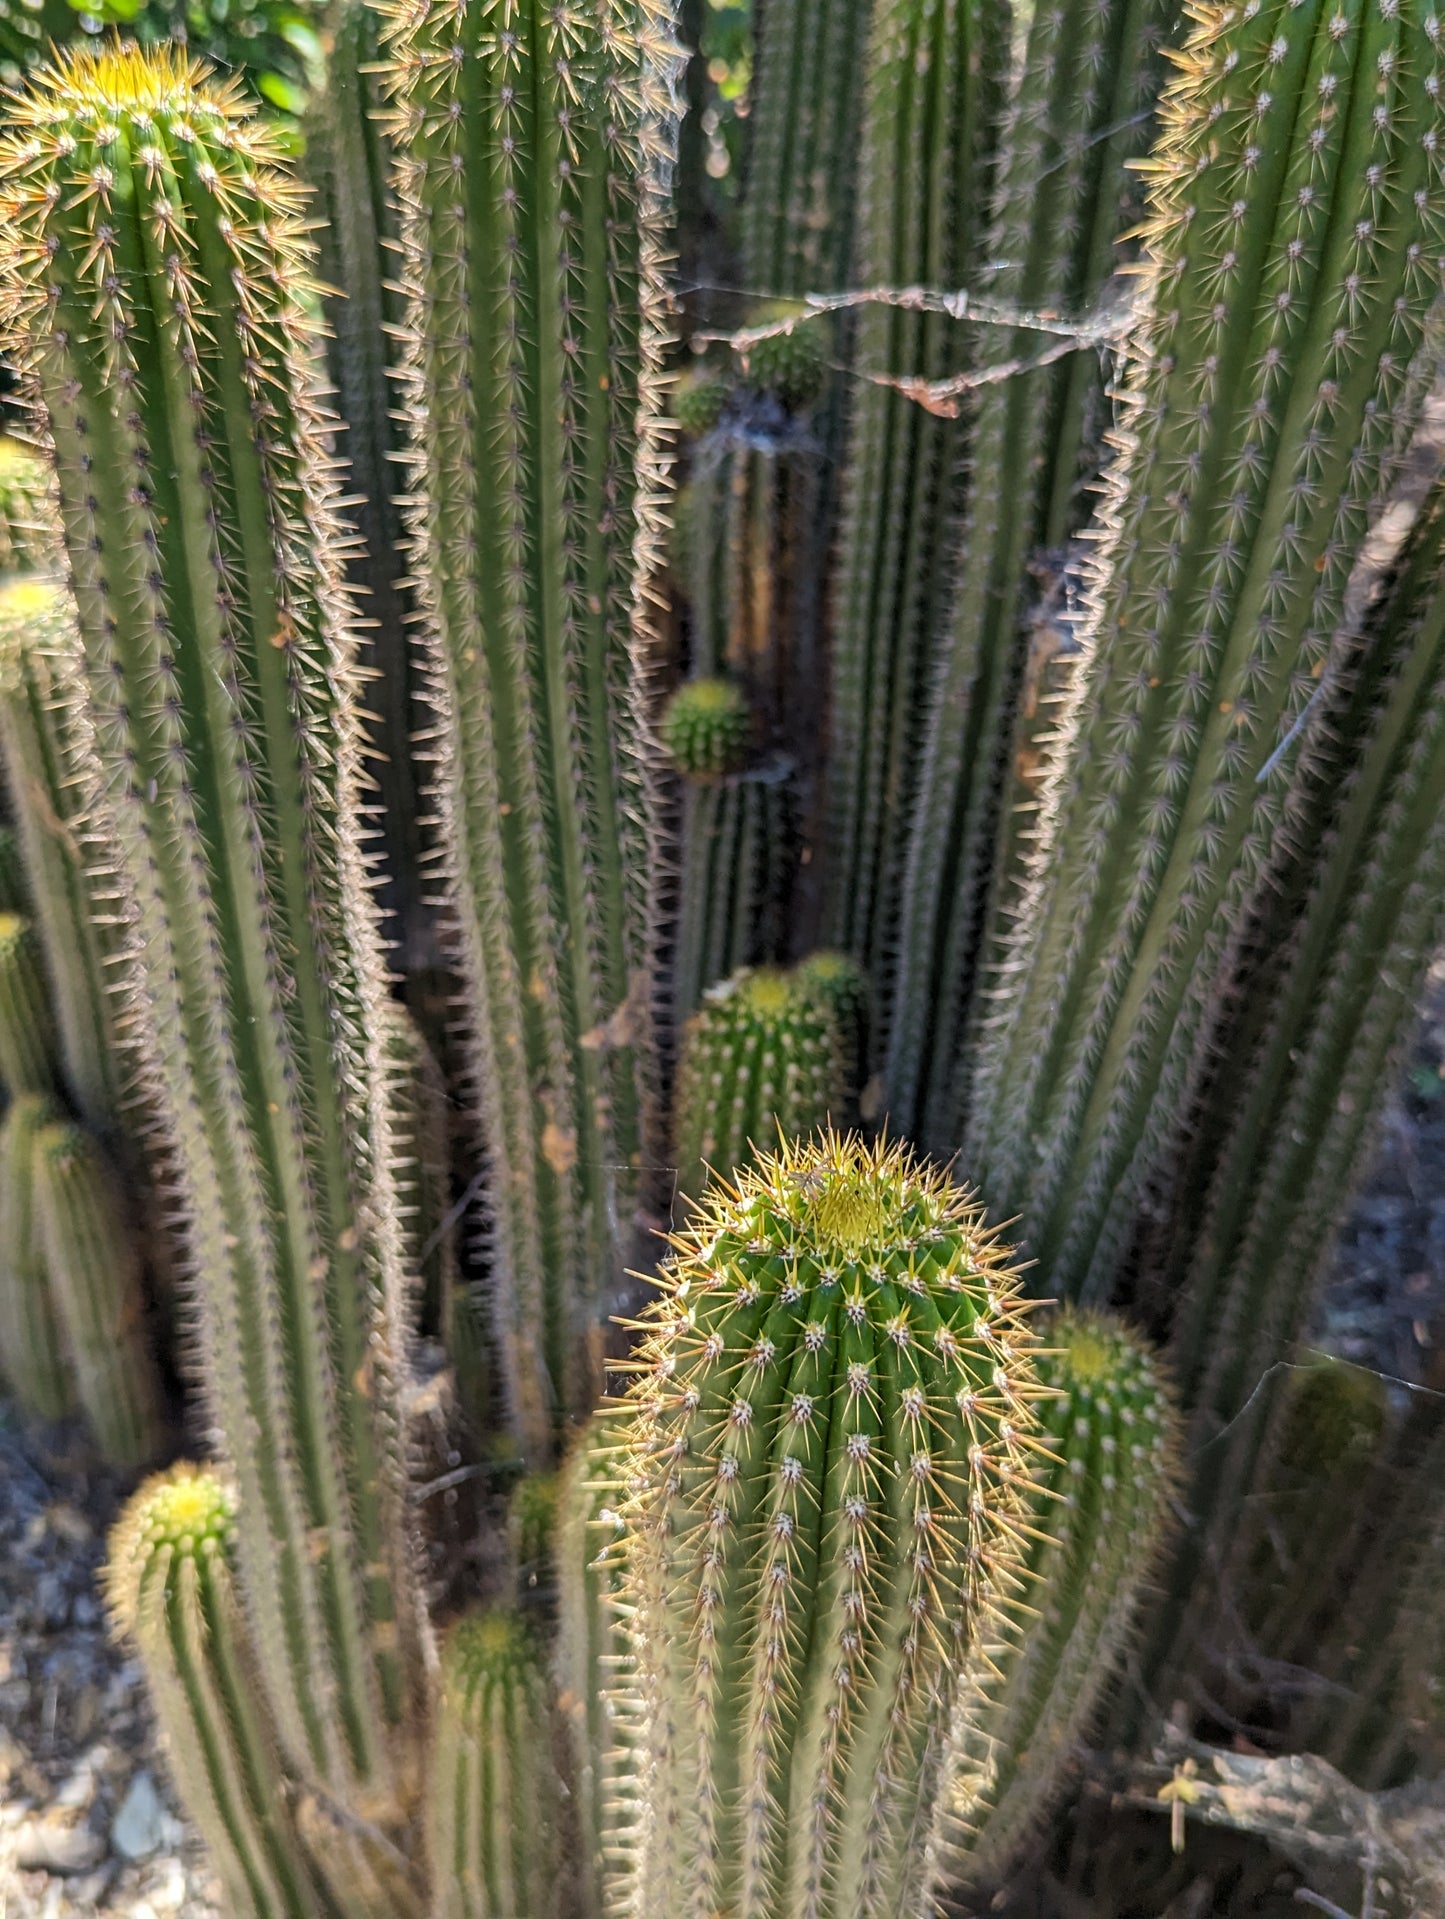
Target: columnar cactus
<point>348,158</point>
<point>1099,1517</point>
<point>155,275</point>
<point>172,1589</point>
<point>806,110</point>
<point>32,1353</point>
<point>760,1058</point>
<point>826,1448</point>
<point>839,984</point>
<point>47,774</point>
<point>93,1269</point>
<point>27,509</point>
<point>27,1029</point>
<point>593,1659</point>
<point>1297,220</point>
<point>1077,112</point>
<point>529,143</point>
<point>738,838</point>
<point>1323,1002</point>
<point>497,1804</point>
<point>934,88</point>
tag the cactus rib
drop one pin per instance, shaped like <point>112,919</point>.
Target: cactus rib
<point>32,1356</point>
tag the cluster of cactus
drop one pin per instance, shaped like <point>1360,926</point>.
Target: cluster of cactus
<point>816,1617</point>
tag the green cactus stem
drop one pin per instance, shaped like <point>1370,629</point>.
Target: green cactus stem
<point>1322,998</point>
<point>1294,239</point>
<point>788,361</point>
<point>172,1587</point>
<point>1077,113</point>
<point>348,159</point>
<point>32,1354</point>
<point>593,1659</point>
<point>840,985</point>
<point>156,287</point>
<point>1100,1514</point>
<point>754,498</point>
<point>421,1162</point>
<point>698,401</point>
<point>806,110</point>
<point>934,92</point>
<point>527,175</point>
<point>760,1059</point>
<point>49,776</point>
<point>14,887</point>
<point>27,1029</point>
<point>93,1268</point>
<point>28,534</point>
<point>497,1831</point>
<point>826,1446</point>
<point>706,728</point>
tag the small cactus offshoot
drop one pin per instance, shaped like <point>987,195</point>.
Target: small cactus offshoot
<point>759,1057</point>
<point>826,1451</point>
<point>170,1582</point>
<point>707,729</point>
<point>27,1029</point>
<point>1099,1516</point>
<point>497,1805</point>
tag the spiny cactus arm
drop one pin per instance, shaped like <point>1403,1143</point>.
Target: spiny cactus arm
<point>348,159</point>
<point>27,1026</point>
<point>839,984</point>
<point>93,1265</point>
<point>760,1060</point>
<point>32,1353</point>
<point>421,1161</point>
<point>1295,234</point>
<point>497,1821</point>
<point>49,777</point>
<point>934,88</point>
<point>593,1660</point>
<point>1071,123</point>
<point>155,281</point>
<point>29,537</point>
<point>810,67</point>
<point>171,1586</point>
<point>825,1445</point>
<point>536,465</point>
<point>1100,1516</point>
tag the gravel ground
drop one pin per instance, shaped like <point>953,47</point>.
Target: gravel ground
<point>88,1819</point>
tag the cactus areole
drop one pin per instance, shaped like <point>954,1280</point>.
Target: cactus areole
<point>825,1446</point>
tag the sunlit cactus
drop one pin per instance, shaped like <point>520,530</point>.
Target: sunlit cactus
<point>27,1029</point>
<point>706,728</point>
<point>760,1058</point>
<point>171,1585</point>
<point>1297,222</point>
<point>49,779</point>
<point>529,163</point>
<point>498,1813</point>
<point>827,1445</point>
<point>28,533</point>
<point>200,524</point>
<point>1099,1516</point>
<point>32,1352</point>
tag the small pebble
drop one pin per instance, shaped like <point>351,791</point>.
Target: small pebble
<point>139,1826</point>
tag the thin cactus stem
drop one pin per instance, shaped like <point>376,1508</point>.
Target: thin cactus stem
<point>44,747</point>
<point>527,175</point>
<point>497,1803</point>
<point>172,1587</point>
<point>1073,120</point>
<point>1296,228</point>
<point>27,1027</point>
<point>826,1444</point>
<point>348,158</point>
<point>761,1059</point>
<point>810,65</point>
<point>93,1268</point>
<point>28,534</point>
<point>1100,1516</point>
<point>156,284</point>
<point>32,1354</point>
<point>934,90</point>
<point>593,1660</point>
